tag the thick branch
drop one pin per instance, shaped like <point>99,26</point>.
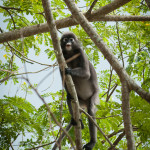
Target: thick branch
<point>124,77</point>
<point>60,58</point>
<point>126,116</point>
<point>145,95</point>
<point>97,15</point>
<point>105,50</point>
<point>63,23</point>
<point>109,7</point>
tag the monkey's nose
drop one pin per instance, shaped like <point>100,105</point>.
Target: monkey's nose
<point>68,47</point>
<point>68,44</point>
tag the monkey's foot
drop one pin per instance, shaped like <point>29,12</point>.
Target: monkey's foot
<point>74,123</point>
<point>89,146</point>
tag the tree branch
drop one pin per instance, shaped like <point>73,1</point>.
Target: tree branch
<point>69,82</point>
<point>37,147</point>
<point>49,111</point>
<point>118,36</point>
<point>11,8</point>
<point>63,23</point>
<point>88,13</point>
<point>113,90</point>
<point>110,78</point>
<point>97,15</point>
<point>148,3</point>
<point>11,17</point>
<point>119,131</point>
<point>105,50</point>
<point>62,136</point>
<point>124,77</point>
<point>109,7</point>
<point>90,117</point>
<point>24,57</point>
<point>145,95</point>
<point>126,116</point>
<point>117,140</point>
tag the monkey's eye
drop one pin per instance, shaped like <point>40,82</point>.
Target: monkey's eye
<point>65,40</point>
<point>71,39</point>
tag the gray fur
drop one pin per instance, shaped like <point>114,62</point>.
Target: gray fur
<point>85,80</point>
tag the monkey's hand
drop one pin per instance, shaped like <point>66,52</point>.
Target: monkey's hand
<point>68,71</point>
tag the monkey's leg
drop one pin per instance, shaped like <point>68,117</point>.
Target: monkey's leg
<point>73,122</point>
<point>92,127</point>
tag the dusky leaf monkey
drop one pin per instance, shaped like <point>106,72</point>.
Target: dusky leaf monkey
<point>85,80</point>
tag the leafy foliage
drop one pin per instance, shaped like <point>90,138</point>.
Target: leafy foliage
<point>129,41</point>
<point>16,118</point>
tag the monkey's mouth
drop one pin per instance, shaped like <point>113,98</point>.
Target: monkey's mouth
<point>68,47</point>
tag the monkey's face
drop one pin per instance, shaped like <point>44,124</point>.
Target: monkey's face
<point>69,42</point>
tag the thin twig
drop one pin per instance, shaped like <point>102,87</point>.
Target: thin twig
<point>117,140</point>
<point>111,70</point>
<point>62,136</point>
<point>10,16</point>
<point>108,116</point>
<point>121,52</point>
<point>90,117</point>
<point>4,7</point>
<point>25,56</point>
<point>41,146</point>
<point>112,91</point>
<point>13,74</point>
<point>49,111</point>
<point>113,87</point>
<point>88,13</point>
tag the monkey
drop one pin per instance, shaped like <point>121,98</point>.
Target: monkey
<point>85,80</point>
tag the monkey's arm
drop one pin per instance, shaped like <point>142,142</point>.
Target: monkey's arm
<point>83,70</point>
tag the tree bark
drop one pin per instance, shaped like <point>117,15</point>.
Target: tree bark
<point>109,7</point>
<point>124,77</point>
<point>97,15</point>
<point>126,116</point>
<point>106,52</point>
<point>69,82</point>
